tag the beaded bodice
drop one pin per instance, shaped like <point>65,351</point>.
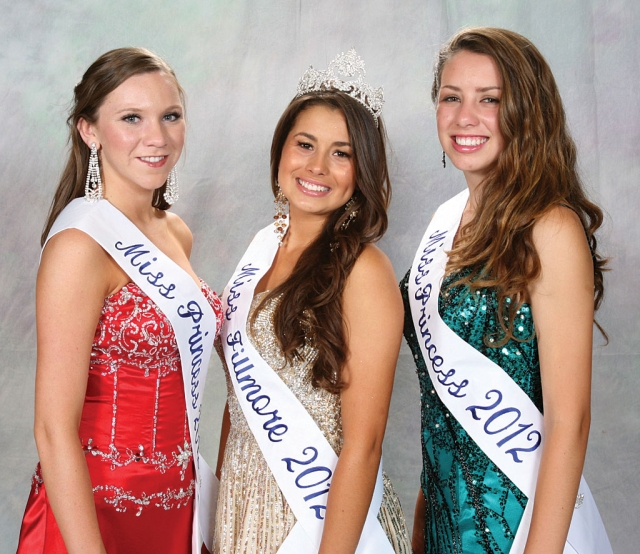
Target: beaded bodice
<point>134,433</point>
<point>134,412</point>
<point>253,515</point>
<point>472,507</point>
<point>323,406</point>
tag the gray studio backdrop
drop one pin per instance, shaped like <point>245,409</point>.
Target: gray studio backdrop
<point>239,62</point>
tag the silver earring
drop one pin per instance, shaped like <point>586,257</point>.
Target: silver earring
<point>93,184</point>
<point>352,214</point>
<point>171,193</point>
<point>444,160</point>
<point>280,216</point>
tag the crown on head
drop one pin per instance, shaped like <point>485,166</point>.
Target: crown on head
<point>348,65</point>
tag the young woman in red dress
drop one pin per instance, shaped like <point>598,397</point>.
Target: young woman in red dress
<point>116,470</point>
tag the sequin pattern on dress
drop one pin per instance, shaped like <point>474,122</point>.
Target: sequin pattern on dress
<point>134,433</point>
<point>135,341</point>
<point>472,507</point>
<point>253,515</point>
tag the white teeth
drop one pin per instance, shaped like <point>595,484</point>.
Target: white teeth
<point>311,186</point>
<point>471,141</point>
<point>152,159</point>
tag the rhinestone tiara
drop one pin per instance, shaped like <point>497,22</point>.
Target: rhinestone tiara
<point>347,65</point>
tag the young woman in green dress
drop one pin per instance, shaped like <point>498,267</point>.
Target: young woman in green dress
<point>521,281</point>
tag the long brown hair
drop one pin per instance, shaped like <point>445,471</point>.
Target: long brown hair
<point>535,172</point>
<point>104,75</point>
<point>310,307</point>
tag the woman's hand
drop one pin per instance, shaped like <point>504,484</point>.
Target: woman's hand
<point>74,278</point>
<point>417,539</point>
<point>562,307</point>
<point>373,314</point>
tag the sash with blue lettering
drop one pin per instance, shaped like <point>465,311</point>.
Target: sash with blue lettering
<point>299,456</point>
<point>175,293</point>
<point>495,412</point>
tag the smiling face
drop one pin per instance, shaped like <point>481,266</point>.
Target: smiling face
<point>467,114</point>
<point>139,133</point>
<point>316,171</point>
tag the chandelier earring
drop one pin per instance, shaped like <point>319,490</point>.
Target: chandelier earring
<point>171,194</point>
<point>444,160</point>
<point>93,184</point>
<point>352,214</point>
<point>280,218</point>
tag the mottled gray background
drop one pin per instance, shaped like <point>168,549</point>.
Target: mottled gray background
<point>239,62</point>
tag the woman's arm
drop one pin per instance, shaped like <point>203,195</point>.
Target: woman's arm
<point>417,539</point>
<point>224,434</point>
<point>73,281</point>
<point>373,313</point>
<point>562,307</point>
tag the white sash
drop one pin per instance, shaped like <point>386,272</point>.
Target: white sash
<point>299,456</point>
<point>173,291</point>
<point>495,412</point>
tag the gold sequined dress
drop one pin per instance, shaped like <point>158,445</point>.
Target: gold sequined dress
<point>253,515</point>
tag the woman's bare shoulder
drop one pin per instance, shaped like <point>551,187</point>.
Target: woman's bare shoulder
<point>180,230</point>
<point>72,260</point>
<point>372,263</point>
<point>74,248</point>
<point>558,226</point>
<point>372,282</point>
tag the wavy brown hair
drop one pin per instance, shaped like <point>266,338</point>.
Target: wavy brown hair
<point>535,172</point>
<point>104,75</point>
<point>310,305</point>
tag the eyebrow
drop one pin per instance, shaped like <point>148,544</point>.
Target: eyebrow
<point>311,137</point>
<point>482,89</point>
<point>133,108</point>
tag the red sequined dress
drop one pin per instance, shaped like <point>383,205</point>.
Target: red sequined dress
<point>134,432</point>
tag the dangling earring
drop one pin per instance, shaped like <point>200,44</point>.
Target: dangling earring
<point>444,160</point>
<point>171,194</point>
<point>93,184</point>
<point>280,224</point>
<point>352,214</point>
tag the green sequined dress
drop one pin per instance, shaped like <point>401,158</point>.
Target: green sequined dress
<point>471,506</point>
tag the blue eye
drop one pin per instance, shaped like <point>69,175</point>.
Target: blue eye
<point>173,116</point>
<point>131,118</point>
